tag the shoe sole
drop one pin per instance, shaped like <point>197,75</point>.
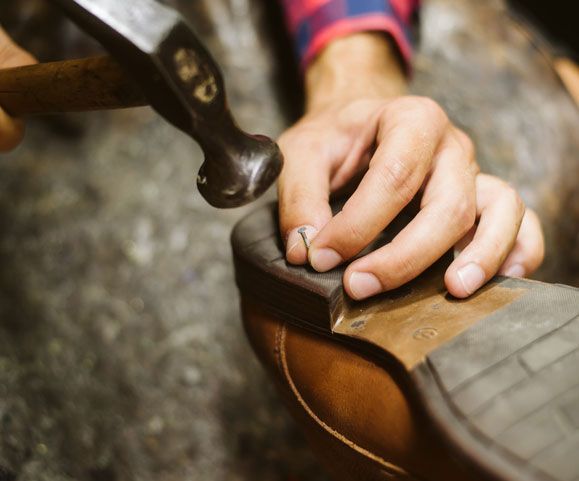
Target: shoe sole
<point>497,374</point>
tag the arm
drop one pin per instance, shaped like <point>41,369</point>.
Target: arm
<point>11,130</point>
<point>359,120</point>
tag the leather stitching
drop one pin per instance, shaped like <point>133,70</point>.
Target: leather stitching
<point>279,339</point>
<point>390,469</point>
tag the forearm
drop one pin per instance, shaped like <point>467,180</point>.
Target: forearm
<point>361,65</point>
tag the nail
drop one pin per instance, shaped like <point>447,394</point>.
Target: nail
<point>516,270</point>
<point>363,285</point>
<point>303,231</point>
<point>324,259</point>
<point>471,277</point>
<point>298,242</point>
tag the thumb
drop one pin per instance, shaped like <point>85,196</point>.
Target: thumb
<point>303,192</point>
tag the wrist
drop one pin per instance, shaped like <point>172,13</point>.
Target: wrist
<point>359,65</point>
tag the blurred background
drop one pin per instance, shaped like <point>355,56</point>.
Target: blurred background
<point>122,355</point>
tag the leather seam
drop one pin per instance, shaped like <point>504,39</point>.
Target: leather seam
<point>390,468</point>
<point>279,338</point>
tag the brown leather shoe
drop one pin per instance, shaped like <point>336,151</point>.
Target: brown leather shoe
<point>415,384</point>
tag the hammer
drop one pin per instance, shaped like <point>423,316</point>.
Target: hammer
<point>155,60</point>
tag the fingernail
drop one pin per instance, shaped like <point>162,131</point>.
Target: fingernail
<point>471,276</point>
<point>300,238</point>
<point>363,285</point>
<point>516,270</point>
<point>324,259</point>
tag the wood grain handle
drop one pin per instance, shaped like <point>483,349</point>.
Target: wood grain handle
<point>96,83</point>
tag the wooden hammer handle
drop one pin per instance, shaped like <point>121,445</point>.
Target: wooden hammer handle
<point>96,83</point>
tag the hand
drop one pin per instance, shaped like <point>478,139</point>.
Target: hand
<point>358,120</point>
<point>11,130</point>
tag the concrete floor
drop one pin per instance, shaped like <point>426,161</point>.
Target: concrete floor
<point>121,351</point>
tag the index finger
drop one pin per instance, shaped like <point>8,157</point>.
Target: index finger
<point>408,137</point>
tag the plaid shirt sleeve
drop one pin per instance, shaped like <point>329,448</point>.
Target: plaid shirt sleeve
<point>314,23</point>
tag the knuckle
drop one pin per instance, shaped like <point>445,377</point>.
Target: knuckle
<point>396,178</point>
<point>430,109</point>
<point>496,250</point>
<point>405,269</point>
<point>467,145</point>
<point>473,169</point>
<point>467,151</point>
<point>462,212</point>
<point>355,237</point>
<point>515,200</point>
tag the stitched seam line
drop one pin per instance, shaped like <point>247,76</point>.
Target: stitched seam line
<point>390,468</point>
<point>279,338</point>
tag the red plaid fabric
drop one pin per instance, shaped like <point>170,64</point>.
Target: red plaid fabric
<point>314,23</point>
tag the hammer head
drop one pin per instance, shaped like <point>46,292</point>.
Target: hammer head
<point>184,84</point>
